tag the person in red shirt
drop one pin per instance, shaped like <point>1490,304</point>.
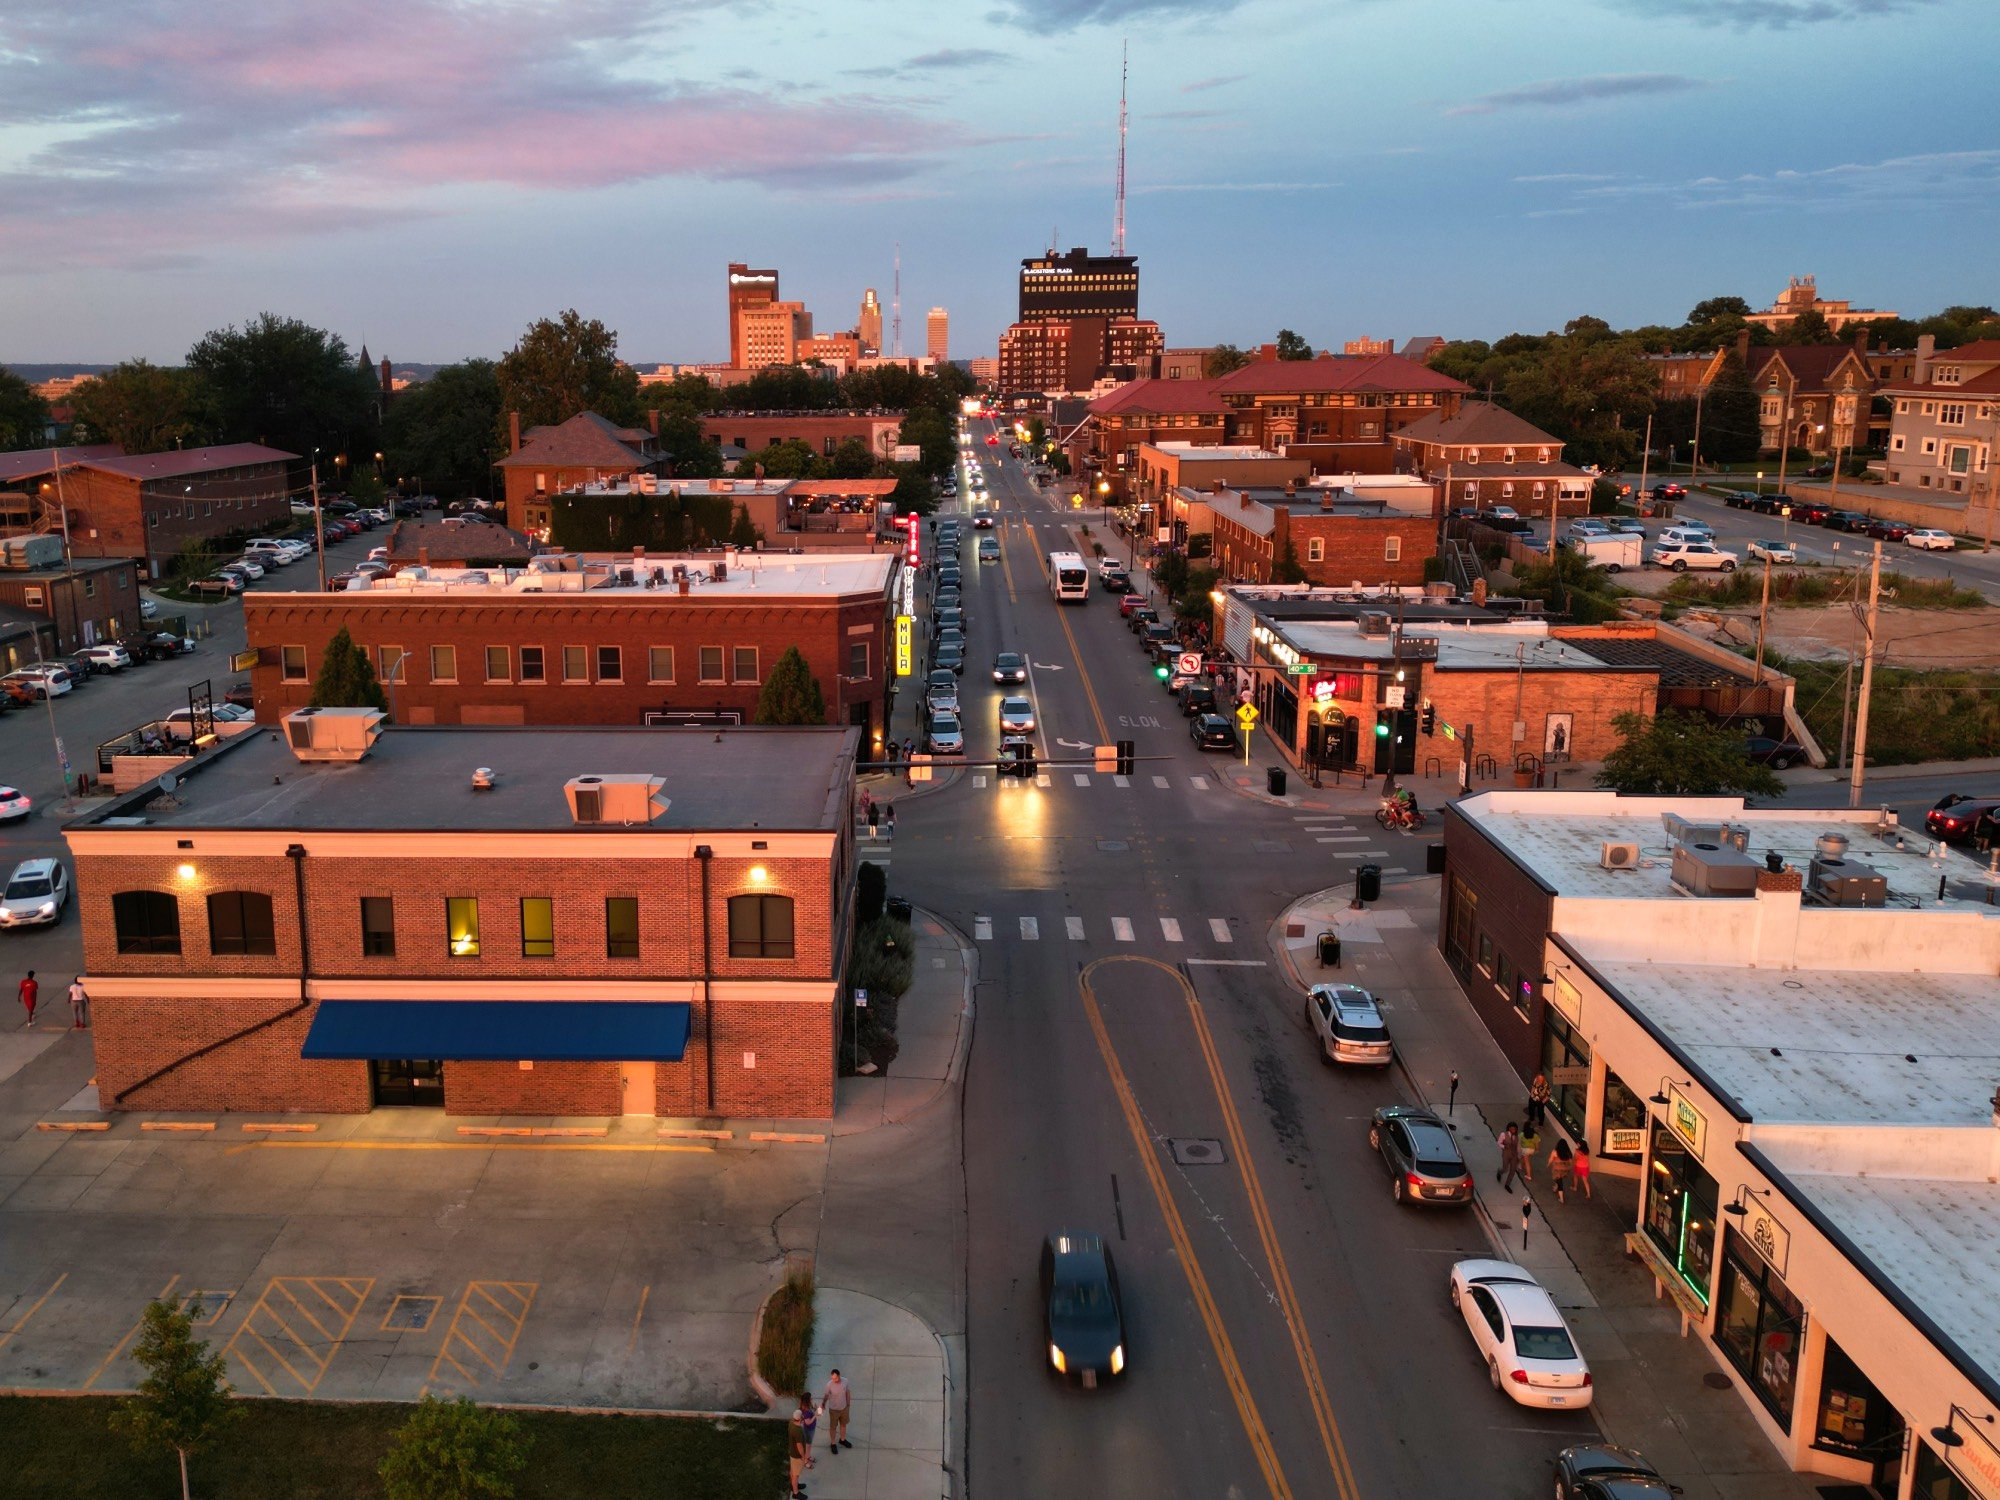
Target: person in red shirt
<point>30,992</point>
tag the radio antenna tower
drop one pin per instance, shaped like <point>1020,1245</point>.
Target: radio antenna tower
<point>896,307</point>
<point>1118,220</point>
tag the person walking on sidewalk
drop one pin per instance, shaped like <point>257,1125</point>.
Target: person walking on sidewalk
<point>1560,1164</point>
<point>79,1004</point>
<point>874,818</point>
<point>1538,1101</point>
<point>867,800</point>
<point>835,1401</point>
<point>1581,1169</point>
<point>1531,1142</point>
<point>797,1453</point>
<point>889,817</point>
<point>30,992</point>
<point>1510,1155</point>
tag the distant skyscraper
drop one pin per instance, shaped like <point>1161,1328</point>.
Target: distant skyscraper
<point>1079,285</point>
<point>747,289</point>
<point>938,335</point>
<point>772,333</point>
<point>869,329</point>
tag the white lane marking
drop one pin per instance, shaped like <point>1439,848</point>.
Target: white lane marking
<point>1042,781</point>
<point>978,779</point>
<point>1081,779</point>
<point>1200,783</point>
<point>1225,963</point>
<point>1220,930</point>
<point>1121,781</point>
<point>982,929</point>
<point>1074,926</point>
<point>1346,838</point>
<point>1170,929</point>
<point>1121,929</point>
<point>1030,929</point>
<point>1160,782</point>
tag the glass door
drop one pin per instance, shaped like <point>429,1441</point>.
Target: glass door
<point>406,1081</point>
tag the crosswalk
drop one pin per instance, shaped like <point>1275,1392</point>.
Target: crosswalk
<point>1065,776</point>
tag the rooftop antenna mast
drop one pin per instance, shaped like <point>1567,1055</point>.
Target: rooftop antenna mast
<point>1118,221</point>
<point>896,307</point>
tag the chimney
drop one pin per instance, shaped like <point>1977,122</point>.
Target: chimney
<point>513,432</point>
<point>685,586</point>
<point>1926,349</point>
<point>1291,486</point>
<point>653,419</point>
<point>1218,487</point>
<point>1861,340</point>
<point>1743,348</point>
<point>423,557</point>
<point>1326,499</point>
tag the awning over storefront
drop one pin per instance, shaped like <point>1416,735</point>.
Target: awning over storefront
<point>501,1030</point>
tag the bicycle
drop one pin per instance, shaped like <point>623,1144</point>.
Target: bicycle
<point>1396,815</point>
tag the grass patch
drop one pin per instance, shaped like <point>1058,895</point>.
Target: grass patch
<point>1812,586</point>
<point>1913,716</point>
<point>308,1451</point>
<point>784,1343</point>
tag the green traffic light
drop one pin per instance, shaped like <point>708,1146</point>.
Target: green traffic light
<point>1161,671</point>
<point>1382,730</point>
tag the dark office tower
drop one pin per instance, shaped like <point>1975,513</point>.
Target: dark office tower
<point>1079,285</point>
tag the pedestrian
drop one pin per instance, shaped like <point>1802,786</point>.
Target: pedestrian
<point>1531,1142</point>
<point>889,816</point>
<point>798,1453</point>
<point>79,1004</point>
<point>1560,1163</point>
<point>867,802</point>
<point>874,819</point>
<point>1452,1107</point>
<point>808,1419</point>
<point>1510,1155</point>
<point>1538,1099</point>
<point>30,992</point>
<point>1581,1168</point>
<point>839,1395</point>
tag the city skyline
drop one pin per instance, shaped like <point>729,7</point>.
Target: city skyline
<point>430,198</point>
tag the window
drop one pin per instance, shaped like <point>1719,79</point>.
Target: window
<point>1947,375</point>
<point>32,597</point>
<point>391,662</point>
<point>461,926</point>
<point>378,926</point>
<point>1507,489</point>
<point>1472,456</point>
<point>610,664</point>
<point>1757,1326</point>
<point>857,659</point>
<point>575,664</point>
<point>760,927</point>
<point>239,922</point>
<point>660,664</point>
<point>745,667</point>
<point>538,927</point>
<point>1541,455</point>
<point>1540,489</point>
<point>711,664</point>
<point>146,922</point>
<point>1507,456</point>
<point>1951,414</point>
<point>444,664</point>
<point>499,664</point>
<point>1392,549</point>
<point>532,669</point>
<point>621,926</point>
<point>1316,549</point>
<point>292,663</point>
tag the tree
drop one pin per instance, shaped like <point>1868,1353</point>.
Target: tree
<point>914,491</point>
<point>785,388</point>
<point>851,460</point>
<point>1222,359</point>
<point>933,434</point>
<point>24,416</point>
<point>693,393</point>
<point>1038,435</point>
<point>1291,346</point>
<point>788,458</point>
<point>689,449</point>
<point>454,1450</point>
<point>1809,327</point>
<point>565,365</point>
<point>1731,426</point>
<point>442,436</point>
<point>139,406</point>
<point>871,890</point>
<point>183,1403</point>
<point>1680,754</point>
<point>791,693</point>
<point>1287,568</point>
<point>282,382</point>
<point>346,677</point>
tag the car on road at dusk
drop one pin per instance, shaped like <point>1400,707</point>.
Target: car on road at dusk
<point>1212,732</point>
<point>982,520</point>
<point>946,735</point>
<point>1197,698</point>
<point>1520,1334</point>
<point>35,894</point>
<point>1887,531</point>
<point>107,656</point>
<point>1668,490</point>
<point>1010,667</point>
<point>1774,551</point>
<point>1083,1315</point>
<point>1852,521</point>
<point>1131,604</point>
<point>1420,1154</point>
<point>14,804</point>
<point>949,657</point>
<point>1931,540</point>
<point>1699,556</point>
<point>1957,816</point>
<point>1017,716</point>
<point>1348,1025</point>
<point>42,679</point>
<point>1157,633</point>
<point>1602,1471</point>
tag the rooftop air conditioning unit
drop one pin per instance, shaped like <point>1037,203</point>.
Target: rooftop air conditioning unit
<point>1844,882</point>
<point>1617,856</point>
<point>333,733</point>
<point>629,799</point>
<point>1715,869</point>
<point>1373,622</point>
<point>1680,830</point>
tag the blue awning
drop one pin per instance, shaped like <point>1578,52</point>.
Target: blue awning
<point>501,1030</point>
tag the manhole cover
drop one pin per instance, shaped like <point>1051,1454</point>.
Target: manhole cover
<point>1273,846</point>
<point>1197,1151</point>
<point>1716,1381</point>
<point>1112,846</point>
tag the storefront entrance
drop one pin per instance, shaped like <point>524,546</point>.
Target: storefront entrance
<point>1856,1420</point>
<point>1759,1326</point>
<point>408,1081</point>
<point>1680,1211</point>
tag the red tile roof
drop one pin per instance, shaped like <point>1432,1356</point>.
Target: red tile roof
<point>1149,396</point>
<point>1360,372</point>
<point>177,463</point>
<point>586,440</point>
<point>1812,365</point>
<point>1986,384</point>
<point>1479,423</point>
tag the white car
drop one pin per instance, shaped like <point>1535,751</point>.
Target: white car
<point>1503,512</point>
<point>1583,526</point>
<point>229,719</point>
<point>1527,1347</point>
<point>1700,556</point>
<point>1777,552</point>
<point>35,894</point>
<point>149,609</point>
<point>14,805</point>
<point>1017,716</point>
<point>945,735</point>
<point>1348,1025</point>
<point>44,679</point>
<point>247,565</point>
<point>108,657</point>
<point>1686,531</point>
<point>1932,540</point>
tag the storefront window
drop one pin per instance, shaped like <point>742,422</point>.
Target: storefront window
<point>1566,1061</point>
<point>1935,1481</point>
<point>1624,1121</point>
<point>1459,929</point>
<point>1680,1210</point>
<point>1284,712</point>
<point>1854,1418</point>
<point>1758,1326</point>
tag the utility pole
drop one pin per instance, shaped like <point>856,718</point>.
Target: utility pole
<point>1646,454</point>
<point>1763,612</point>
<point>319,529</point>
<point>1694,452</point>
<point>1859,770</point>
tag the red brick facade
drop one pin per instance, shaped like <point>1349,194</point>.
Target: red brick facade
<point>1494,922</point>
<point>121,507</point>
<point>99,603</point>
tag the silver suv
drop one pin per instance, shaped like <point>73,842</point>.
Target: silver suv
<point>1348,1025</point>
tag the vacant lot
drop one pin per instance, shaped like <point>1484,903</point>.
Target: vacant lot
<point>1955,638</point>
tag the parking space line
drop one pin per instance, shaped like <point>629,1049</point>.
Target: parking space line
<point>292,1322</point>
<point>22,1321</point>
<point>119,1347</point>
<point>507,1304</point>
<point>1031,928</point>
<point>633,1342</point>
<point>1121,929</point>
<point>1074,927</point>
<point>1170,929</point>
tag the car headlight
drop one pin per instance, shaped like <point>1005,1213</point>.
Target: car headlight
<point>46,909</point>
<point>1056,1359</point>
<point>1117,1358</point>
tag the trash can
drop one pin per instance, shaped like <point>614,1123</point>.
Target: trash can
<point>1368,883</point>
<point>1275,779</point>
<point>1329,950</point>
<point>898,908</point>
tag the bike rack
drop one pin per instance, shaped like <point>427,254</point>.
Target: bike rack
<point>1486,767</point>
<point>1432,767</point>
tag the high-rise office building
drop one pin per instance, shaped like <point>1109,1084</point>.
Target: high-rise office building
<point>869,329</point>
<point>938,335</point>
<point>748,288</point>
<point>1079,285</point>
<point>771,334</point>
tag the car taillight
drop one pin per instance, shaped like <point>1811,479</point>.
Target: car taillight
<point>1415,1182</point>
<point>1951,822</point>
<point>1586,1377</point>
<point>1519,1377</point>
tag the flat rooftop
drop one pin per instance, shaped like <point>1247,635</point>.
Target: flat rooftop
<point>739,576</point>
<point>1210,453</point>
<point>1462,646</point>
<point>420,780</point>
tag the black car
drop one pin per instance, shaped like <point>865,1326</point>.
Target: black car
<point>1115,583</point>
<point>1141,617</point>
<point>1514,524</point>
<point>1157,633</point>
<point>1010,667</point>
<point>1599,1471</point>
<point>1669,491</point>
<point>1420,1154</point>
<point>1197,698</point>
<point>1212,732</point>
<point>1957,817</point>
<point>1777,754</point>
<point>1848,520</point>
<point>950,658</point>
<point>1083,1318</point>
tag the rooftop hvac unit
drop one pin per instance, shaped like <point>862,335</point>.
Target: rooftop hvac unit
<point>1417,647</point>
<point>1844,882</point>
<point>333,733</point>
<point>1682,831</point>
<point>1715,869</point>
<point>629,799</point>
<point>1373,622</point>
<point>1616,856</point>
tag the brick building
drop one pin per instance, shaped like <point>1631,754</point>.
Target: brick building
<point>1486,456</point>
<point>1944,425</point>
<point>623,923</point>
<point>1337,536</point>
<point>1812,396</point>
<point>750,288</point>
<point>1338,413</point>
<point>88,600</point>
<point>1106,442</point>
<point>586,449</point>
<point>1073,354</point>
<point>1801,295</point>
<point>652,640</point>
<point>772,332</point>
<point>821,431</point>
<point>28,484</point>
<point>150,505</point>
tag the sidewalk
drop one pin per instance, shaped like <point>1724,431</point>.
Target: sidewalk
<point>1658,1392</point>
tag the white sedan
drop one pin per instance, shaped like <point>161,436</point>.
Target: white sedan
<point>1932,540</point>
<point>1523,1339</point>
<point>1017,716</point>
<point>14,805</point>
<point>1777,552</point>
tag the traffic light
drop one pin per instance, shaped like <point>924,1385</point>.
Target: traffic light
<point>1127,757</point>
<point>1162,671</point>
<point>1381,729</point>
<point>1430,718</point>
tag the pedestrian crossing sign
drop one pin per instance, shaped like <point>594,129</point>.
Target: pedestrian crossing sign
<point>1246,715</point>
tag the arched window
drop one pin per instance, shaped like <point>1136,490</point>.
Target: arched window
<point>146,922</point>
<point>239,922</point>
<point>760,927</point>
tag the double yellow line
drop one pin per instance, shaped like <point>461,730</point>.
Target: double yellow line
<point>1288,1301</point>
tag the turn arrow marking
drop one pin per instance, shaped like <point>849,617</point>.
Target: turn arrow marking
<point>1075,745</point>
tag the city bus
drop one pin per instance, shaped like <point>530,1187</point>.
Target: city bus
<point>1068,578</point>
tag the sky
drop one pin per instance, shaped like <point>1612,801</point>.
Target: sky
<point>428,177</point>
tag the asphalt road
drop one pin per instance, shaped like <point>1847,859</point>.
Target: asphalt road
<point>1288,1327</point>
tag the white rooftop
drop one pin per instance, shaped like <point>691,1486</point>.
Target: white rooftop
<point>734,574</point>
<point>1523,644</point>
<point>1211,452</point>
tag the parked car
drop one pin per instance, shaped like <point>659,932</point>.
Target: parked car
<point>1774,551</point>
<point>35,894</point>
<point>1212,732</point>
<point>218,583</point>
<point>941,691</point>
<point>1957,816</point>
<point>162,644</point>
<point>1888,531</point>
<point>1511,524</point>
<point>1348,1025</point>
<point>1502,513</point>
<point>1602,1471</point>
<point>79,667</point>
<point>1157,633</point>
<point>1736,499</point>
<point>1520,1335</point>
<point>1420,1154</point>
<point>945,735</point>
<point>149,608</point>
<point>1812,512</point>
<point>239,694</point>
<point>951,658</point>
<point>1686,531</point>
<point>1701,556</point>
<point>947,639</point>
<point>107,657</point>
<point>1779,755</point>
<point>247,565</point>
<point>1627,526</point>
<point>227,717</point>
<point>42,679</point>
<point>1083,1315</point>
<point>1586,526</point>
<point>1849,521</point>
<point>1931,539</point>
<point>1131,604</point>
<point>1140,618</point>
<point>1010,667</point>
<point>14,804</point>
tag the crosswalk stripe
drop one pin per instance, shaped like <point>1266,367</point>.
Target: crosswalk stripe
<point>1121,781</point>
<point>1074,926</point>
<point>1200,783</point>
<point>978,779</point>
<point>982,929</point>
<point>1170,929</point>
<point>1160,782</point>
<point>1081,779</point>
<point>1121,929</point>
<point>1220,930</point>
<point>1347,838</point>
<point>1030,929</point>
<point>1042,781</point>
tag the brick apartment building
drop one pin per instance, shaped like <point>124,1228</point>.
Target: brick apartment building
<point>150,505</point>
<point>586,449</point>
<point>28,484</point>
<point>1337,536</point>
<point>1486,456</point>
<point>623,923</point>
<point>88,600</point>
<point>1073,354</point>
<point>1812,396</point>
<point>611,641</point>
<point>821,431</point>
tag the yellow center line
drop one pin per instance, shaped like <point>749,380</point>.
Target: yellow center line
<point>262,1145</point>
<point>22,1321</point>
<point>1005,566</point>
<point>1211,1316</point>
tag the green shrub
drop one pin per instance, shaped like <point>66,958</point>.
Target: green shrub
<point>784,1343</point>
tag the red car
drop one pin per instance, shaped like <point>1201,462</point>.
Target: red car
<point>1956,816</point>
